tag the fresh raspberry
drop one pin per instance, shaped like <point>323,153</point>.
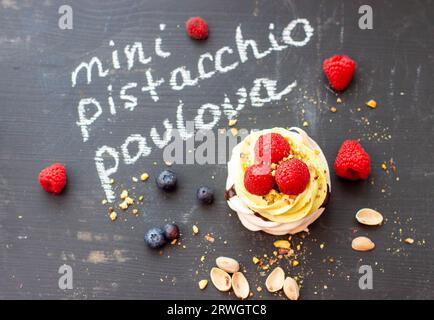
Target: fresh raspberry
<point>197,28</point>
<point>53,178</point>
<point>292,176</point>
<point>271,148</point>
<point>339,70</point>
<point>352,161</point>
<point>258,179</point>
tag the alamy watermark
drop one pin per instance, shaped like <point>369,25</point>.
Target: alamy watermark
<point>366,21</point>
<point>66,278</point>
<point>66,17</point>
<point>366,281</point>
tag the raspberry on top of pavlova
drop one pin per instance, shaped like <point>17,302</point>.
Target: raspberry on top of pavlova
<point>278,181</point>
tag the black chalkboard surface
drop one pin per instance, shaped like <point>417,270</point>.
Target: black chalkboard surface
<point>42,86</point>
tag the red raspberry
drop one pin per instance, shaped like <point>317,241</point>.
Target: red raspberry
<point>352,161</point>
<point>197,28</point>
<point>271,148</point>
<point>339,70</point>
<point>292,176</point>
<point>53,178</point>
<point>258,179</point>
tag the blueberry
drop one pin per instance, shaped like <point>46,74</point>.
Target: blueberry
<point>154,238</point>
<point>166,180</point>
<point>171,231</point>
<point>205,195</point>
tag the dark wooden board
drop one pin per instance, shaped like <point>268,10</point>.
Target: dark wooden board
<point>40,232</point>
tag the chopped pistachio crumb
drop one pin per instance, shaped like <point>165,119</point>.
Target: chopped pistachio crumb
<point>209,238</point>
<point>195,229</point>
<point>372,104</point>
<point>409,240</point>
<point>202,284</point>
<point>282,244</point>
<point>232,122</point>
<point>123,205</point>
<point>124,194</point>
<point>113,216</point>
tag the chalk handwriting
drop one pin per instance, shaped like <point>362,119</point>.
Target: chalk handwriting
<point>128,95</point>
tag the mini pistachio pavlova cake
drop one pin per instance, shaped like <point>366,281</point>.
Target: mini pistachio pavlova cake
<point>278,181</point>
